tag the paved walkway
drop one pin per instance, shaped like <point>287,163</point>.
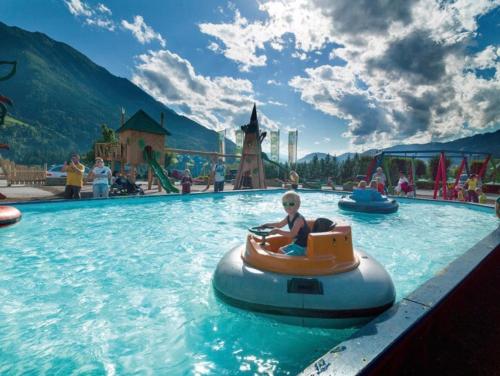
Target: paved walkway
<point>33,193</point>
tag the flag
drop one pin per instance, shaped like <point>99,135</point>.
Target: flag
<point>222,143</point>
<point>239,141</point>
<point>292,147</point>
<point>275,146</point>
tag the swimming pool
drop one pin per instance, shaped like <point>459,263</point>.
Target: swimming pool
<point>124,286</point>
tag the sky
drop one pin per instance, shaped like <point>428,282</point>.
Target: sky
<point>349,75</point>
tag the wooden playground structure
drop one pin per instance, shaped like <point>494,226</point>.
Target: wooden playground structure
<point>142,140</point>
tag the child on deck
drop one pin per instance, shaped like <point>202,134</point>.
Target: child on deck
<point>186,182</point>
<point>481,196</point>
<point>296,223</point>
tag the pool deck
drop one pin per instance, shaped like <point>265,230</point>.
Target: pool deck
<point>19,193</point>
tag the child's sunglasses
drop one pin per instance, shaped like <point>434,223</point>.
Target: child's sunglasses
<point>288,204</point>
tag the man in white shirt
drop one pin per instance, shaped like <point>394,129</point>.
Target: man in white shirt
<point>101,175</point>
<point>219,171</point>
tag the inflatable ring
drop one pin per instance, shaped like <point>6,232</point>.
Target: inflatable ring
<point>9,215</point>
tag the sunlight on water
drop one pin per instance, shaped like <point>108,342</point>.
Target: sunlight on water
<point>124,286</point>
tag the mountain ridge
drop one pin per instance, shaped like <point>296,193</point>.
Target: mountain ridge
<point>64,97</point>
<point>488,142</point>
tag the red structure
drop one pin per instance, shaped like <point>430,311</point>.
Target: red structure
<point>441,178</point>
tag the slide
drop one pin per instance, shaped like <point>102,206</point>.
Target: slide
<point>158,171</point>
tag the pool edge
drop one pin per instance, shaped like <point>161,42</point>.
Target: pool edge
<point>365,348</point>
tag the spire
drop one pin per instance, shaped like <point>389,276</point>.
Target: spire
<point>253,118</point>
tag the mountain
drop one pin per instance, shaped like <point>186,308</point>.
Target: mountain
<point>61,98</point>
<point>340,158</point>
<point>485,142</point>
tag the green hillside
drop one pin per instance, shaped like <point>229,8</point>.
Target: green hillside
<point>61,98</point>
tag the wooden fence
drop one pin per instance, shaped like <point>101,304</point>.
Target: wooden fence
<point>19,174</point>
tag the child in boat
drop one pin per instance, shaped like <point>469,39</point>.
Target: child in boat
<point>299,230</point>
<point>186,182</point>
<point>362,184</point>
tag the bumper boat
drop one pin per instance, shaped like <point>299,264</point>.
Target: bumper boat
<point>368,201</point>
<point>9,215</point>
<point>331,286</point>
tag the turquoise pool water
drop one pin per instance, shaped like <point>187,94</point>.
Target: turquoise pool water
<point>124,286</point>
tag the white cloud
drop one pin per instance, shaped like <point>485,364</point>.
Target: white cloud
<point>273,82</point>
<point>143,32</point>
<point>245,42</point>
<point>78,8</point>
<point>216,103</point>
<point>97,16</point>
<point>407,75</point>
<point>101,22</point>
<point>275,103</point>
<point>214,47</point>
<point>104,9</point>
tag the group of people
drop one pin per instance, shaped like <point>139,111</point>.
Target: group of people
<point>101,175</point>
<point>470,191</point>
<point>103,179</point>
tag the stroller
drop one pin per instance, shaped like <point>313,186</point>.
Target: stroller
<point>124,187</point>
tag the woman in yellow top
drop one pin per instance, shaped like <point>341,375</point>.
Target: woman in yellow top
<point>74,178</point>
<point>471,185</point>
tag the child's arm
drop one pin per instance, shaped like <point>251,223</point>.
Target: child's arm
<point>275,224</point>
<point>289,234</point>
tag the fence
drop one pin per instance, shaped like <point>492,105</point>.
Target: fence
<point>19,174</point>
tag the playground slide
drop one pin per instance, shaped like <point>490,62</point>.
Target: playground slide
<point>162,178</point>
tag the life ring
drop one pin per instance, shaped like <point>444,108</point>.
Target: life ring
<point>9,215</point>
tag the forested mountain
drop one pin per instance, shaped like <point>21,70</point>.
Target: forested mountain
<point>61,98</point>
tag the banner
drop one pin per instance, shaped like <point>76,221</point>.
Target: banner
<point>275,146</point>
<point>239,141</point>
<point>292,147</point>
<point>222,143</point>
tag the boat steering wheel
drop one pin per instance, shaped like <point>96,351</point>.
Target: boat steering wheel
<point>261,231</point>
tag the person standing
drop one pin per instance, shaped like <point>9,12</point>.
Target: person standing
<point>381,180</point>
<point>471,185</point>
<point>74,177</point>
<point>101,175</point>
<point>186,182</point>
<point>294,179</point>
<point>219,171</point>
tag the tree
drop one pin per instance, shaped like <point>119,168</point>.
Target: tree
<point>108,135</point>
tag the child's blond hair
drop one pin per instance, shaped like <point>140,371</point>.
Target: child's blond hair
<point>291,196</point>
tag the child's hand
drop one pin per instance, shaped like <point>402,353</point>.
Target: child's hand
<point>274,231</point>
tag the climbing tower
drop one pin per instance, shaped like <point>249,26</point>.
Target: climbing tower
<point>251,169</point>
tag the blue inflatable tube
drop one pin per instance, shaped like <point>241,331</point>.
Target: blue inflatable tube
<point>368,201</point>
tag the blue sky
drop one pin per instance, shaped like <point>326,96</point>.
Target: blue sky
<point>349,75</point>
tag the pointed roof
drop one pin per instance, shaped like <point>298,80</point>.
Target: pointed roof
<point>253,118</point>
<point>142,122</point>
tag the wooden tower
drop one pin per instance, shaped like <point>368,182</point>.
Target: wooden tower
<point>137,133</point>
<point>251,169</point>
